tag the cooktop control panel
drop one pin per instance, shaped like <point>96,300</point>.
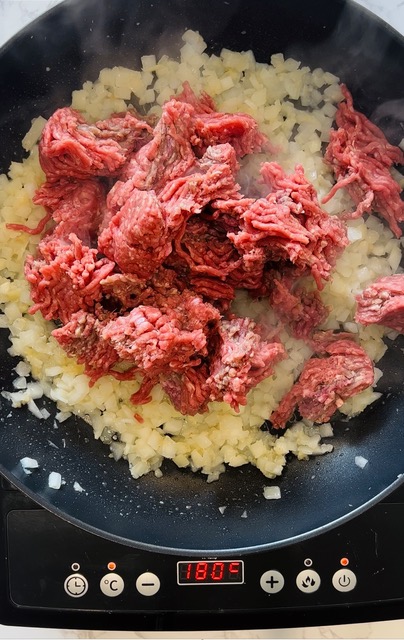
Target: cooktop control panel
<point>54,565</point>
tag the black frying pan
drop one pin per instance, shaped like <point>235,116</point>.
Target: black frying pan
<point>180,512</point>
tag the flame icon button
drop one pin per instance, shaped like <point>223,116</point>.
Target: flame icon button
<point>308,581</point>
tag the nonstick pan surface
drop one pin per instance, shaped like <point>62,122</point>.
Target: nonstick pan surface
<point>180,512</point>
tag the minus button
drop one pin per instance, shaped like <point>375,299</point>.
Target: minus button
<point>148,584</point>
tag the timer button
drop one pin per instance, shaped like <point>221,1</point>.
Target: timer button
<point>76,585</point>
<point>112,585</point>
<point>344,580</point>
<point>148,584</point>
<point>272,581</point>
<point>308,581</point>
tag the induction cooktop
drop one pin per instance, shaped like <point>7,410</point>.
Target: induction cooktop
<point>53,574</point>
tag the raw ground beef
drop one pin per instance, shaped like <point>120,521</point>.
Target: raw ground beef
<point>65,277</point>
<point>326,382</point>
<point>361,158</point>
<point>137,237</point>
<point>81,338</point>
<point>288,226</point>
<point>299,309</point>
<point>211,128</point>
<point>150,239</point>
<point>169,154</point>
<point>204,249</point>
<point>201,104</point>
<point>167,337</point>
<point>382,302</point>
<point>242,360</point>
<point>239,129</point>
<point>126,291</point>
<point>188,391</point>
<point>70,147</point>
<point>76,206</point>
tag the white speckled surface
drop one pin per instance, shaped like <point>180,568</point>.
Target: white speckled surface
<point>14,15</point>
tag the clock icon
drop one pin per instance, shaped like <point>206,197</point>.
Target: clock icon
<point>76,585</point>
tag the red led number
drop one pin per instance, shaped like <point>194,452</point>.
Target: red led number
<point>234,570</point>
<point>201,571</point>
<point>210,572</point>
<point>217,571</point>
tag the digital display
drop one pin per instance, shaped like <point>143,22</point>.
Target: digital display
<point>210,572</point>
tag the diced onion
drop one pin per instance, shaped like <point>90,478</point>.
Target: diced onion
<point>360,461</point>
<point>272,493</point>
<point>54,480</point>
<point>29,463</point>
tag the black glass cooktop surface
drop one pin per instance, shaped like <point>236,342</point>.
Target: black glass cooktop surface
<point>55,574</point>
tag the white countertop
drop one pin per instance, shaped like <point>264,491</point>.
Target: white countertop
<point>14,15</point>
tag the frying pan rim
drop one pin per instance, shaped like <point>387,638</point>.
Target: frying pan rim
<point>203,553</point>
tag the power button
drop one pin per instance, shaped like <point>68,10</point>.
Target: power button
<point>344,580</point>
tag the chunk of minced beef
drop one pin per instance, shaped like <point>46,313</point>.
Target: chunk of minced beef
<point>137,237</point>
<point>65,277</point>
<point>188,390</point>
<point>77,206</point>
<point>326,382</point>
<point>209,263</point>
<point>155,339</point>
<point>127,290</point>
<point>219,154</point>
<point>81,338</point>
<point>382,302</point>
<point>192,183</point>
<point>188,126</point>
<point>212,127</point>
<point>201,104</point>
<point>152,338</point>
<point>242,360</point>
<point>71,147</point>
<point>169,154</point>
<point>361,158</point>
<point>271,227</point>
<point>203,258</point>
<point>301,309</point>
<point>212,179</point>
<point>213,290</point>
<point>238,129</point>
<point>187,196</point>
<point>289,225</point>
<point>328,235</point>
<point>205,249</point>
<point>122,290</point>
<point>140,225</point>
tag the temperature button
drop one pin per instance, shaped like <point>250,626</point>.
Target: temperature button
<point>76,585</point>
<point>344,580</point>
<point>148,584</point>
<point>308,581</point>
<point>112,585</point>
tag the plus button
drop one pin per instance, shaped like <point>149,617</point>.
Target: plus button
<point>272,581</point>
